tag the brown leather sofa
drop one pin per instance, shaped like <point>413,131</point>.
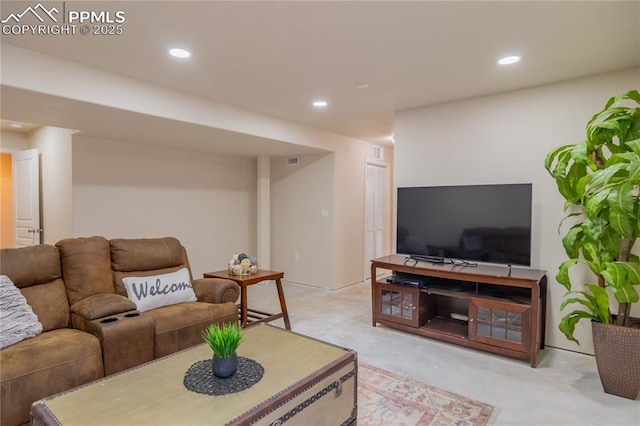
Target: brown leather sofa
<point>93,270</point>
<point>58,359</point>
<point>88,273</point>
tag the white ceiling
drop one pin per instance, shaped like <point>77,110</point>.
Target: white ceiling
<point>276,57</point>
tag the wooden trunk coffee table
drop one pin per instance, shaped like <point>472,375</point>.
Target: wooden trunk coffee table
<point>246,280</point>
<point>305,382</point>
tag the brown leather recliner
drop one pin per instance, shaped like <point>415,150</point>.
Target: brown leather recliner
<point>93,269</point>
<point>127,337</point>
<point>181,325</point>
<point>57,360</point>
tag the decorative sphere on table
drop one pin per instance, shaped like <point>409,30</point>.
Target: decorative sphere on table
<point>243,264</point>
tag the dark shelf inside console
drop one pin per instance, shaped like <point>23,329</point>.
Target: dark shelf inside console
<point>448,326</point>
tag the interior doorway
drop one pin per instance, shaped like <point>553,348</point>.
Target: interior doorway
<point>20,200</point>
<point>376,214</point>
<point>26,198</point>
<point>6,202</point>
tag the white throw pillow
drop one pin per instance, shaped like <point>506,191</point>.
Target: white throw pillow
<point>160,290</point>
<point>17,320</point>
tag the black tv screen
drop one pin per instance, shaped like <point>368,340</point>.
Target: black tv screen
<point>484,223</point>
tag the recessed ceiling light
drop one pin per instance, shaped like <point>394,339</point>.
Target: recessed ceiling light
<point>363,86</point>
<point>320,104</point>
<point>180,53</point>
<point>508,60</point>
<point>15,125</point>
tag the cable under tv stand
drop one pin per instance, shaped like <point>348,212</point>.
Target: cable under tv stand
<point>497,309</point>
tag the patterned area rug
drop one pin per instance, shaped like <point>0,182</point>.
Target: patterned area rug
<point>384,398</point>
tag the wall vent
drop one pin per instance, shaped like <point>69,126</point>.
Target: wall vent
<point>377,153</point>
<point>292,161</point>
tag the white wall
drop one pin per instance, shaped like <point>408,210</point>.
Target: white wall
<point>130,190</point>
<point>350,184</point>
<point>330,249</point>
<point>54,145</point>
<point>34,72</point>
<point>13,141</point>
<point>263,203</point>
<point>504,139</point>
<point>302,240</point>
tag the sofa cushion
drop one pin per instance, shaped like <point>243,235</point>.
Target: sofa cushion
<point>32,265</point>
<point>36,271</point>
<point>154,291</point>
<point>146,254</point>
<point>47,364</point>
<point>17,320</point>
<point>49,303</point>
<point>86,267</point>
<point>180,326</point>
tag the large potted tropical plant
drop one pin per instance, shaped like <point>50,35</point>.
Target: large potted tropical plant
<point>600,181</point>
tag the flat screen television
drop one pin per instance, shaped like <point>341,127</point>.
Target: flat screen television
<point>481,223</point>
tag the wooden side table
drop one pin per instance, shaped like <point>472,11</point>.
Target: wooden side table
<point>246,280</point>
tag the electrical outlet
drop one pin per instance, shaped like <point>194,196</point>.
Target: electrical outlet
<point>296,257</point>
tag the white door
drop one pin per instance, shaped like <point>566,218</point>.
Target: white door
<point>374,217</point>
<point>26,198</point>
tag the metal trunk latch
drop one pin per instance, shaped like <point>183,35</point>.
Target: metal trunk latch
<point>338,389</point>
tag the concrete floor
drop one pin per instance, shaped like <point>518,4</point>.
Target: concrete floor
<point>563,390</point>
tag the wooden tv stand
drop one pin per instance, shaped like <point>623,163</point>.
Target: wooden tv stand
<point>484,307</point>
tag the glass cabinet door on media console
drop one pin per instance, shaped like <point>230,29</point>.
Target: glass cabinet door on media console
<point>399,304</point>
<point>500,322</point>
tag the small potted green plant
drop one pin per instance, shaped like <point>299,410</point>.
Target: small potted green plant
<point>224,341</point>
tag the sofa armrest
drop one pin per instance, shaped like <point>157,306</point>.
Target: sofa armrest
<point>126,335</point>
<point>216,290</point>
<point>102,305</point>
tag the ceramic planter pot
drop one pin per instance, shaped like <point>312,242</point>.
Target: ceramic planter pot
<point>616,350</point>
<point>224,367</point>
